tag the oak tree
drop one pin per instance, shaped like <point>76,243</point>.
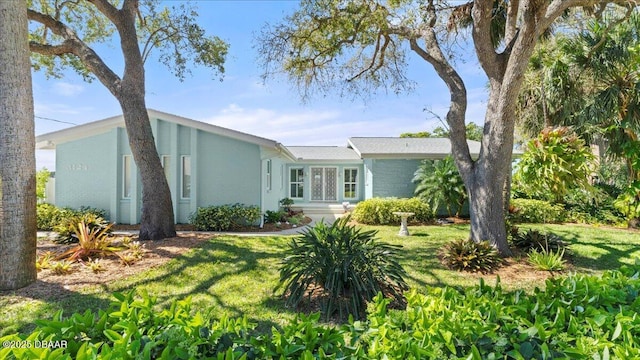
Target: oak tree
<point>361,45</point>
<point>64,35</point>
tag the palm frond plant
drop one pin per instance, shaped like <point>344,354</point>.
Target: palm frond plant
<point>439,183</point>
<point>343,267</point>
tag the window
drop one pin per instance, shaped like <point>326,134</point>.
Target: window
<point>269,170</point>
<point>127,181</point>
<point>186,177</point>
<point>296,181</point>
<point>166,165</point>
<point>350,183</point>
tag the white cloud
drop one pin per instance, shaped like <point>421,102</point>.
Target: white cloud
<point>67,89</point>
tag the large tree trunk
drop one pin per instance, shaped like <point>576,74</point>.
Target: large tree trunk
<point>157,218</point>
<point>17,151</point>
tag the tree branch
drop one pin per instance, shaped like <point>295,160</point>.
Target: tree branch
<point>108,10</point>
<point>481,32</point>
<point>512,21</point>
<point>77,47</point>
<point>51,50</point>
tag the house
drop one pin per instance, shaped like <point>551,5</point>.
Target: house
<point>210,165</point>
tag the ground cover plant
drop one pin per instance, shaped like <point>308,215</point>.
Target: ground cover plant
<point>575,317</point>
<point>232,277</point>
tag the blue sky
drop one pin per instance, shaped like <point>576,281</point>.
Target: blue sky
<point>243,102</point>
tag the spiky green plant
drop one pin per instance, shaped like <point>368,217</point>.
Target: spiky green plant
<point>468,255</point>
<point>92,243</point>
<point>547,260</point>
<point>342,266</point>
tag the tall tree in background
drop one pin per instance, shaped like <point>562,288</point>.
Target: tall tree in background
<point>17,151</point>
<point>360,45</point>
<point>62,37</point>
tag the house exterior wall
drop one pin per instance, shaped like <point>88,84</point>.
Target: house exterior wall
<point>307,185</point>
<point>274,186</point>
<point>84,172</point>
<point>90,172</point>
<point>391,177</point>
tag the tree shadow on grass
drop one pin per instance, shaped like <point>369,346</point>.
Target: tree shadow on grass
<point>222,266</point>
<point>55,296</point>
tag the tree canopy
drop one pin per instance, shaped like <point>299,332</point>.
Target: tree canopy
<point>358,46</point>
<point>65,34</point>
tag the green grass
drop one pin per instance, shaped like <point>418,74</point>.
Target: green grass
<point>235,276</point>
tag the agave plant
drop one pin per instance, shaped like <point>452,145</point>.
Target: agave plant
<point>342,266</point>
<point>92,243</point>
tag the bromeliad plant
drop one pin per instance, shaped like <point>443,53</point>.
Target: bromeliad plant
<point>468,255</point>
<point>341,265</point>
<point>92,243</point>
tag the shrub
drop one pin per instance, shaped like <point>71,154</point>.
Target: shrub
<point>379,211</point>
<point>536,211</point>
<point>536,240</point>
<point>272,217</point>
<point>438,183</point>
<point>553,164</point>
<point>468,255</point>
<point>47,216</point>
<point>547,260</point>
<point>69,219</point>
<point>343,266</point>
<point>595,206</point>
<point>224,217</point>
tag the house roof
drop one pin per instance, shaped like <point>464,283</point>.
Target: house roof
<point>407,148</point>
<point>50,140</point>
<point>319,153</point>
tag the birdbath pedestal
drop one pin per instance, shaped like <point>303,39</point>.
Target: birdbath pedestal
<point>403,222</point>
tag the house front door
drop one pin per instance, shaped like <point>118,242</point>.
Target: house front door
<point>324,184</point>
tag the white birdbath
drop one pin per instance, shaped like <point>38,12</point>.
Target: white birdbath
<point>403,222</point>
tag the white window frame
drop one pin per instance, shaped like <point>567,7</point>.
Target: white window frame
<point>354,183</point>
<point>269,174</point>
<point>127,176</point>
<point>297,182</point>
<point>185,160</point>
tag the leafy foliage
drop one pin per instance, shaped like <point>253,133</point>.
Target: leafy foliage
<point>42,176</point>
<point>628,202</point>
<point>554,163</point>
<point>67,228</point>
<point>379,211</point>
<point>93,242</point>
<point>473,132</point>
<point>536,240</point>
<point>224,217</point>
<point>47,216</point>
<point>536,211</point>
<point>439,184</point>
<point>595,206</point>
<point>342,265</point>
<point>547,260</point>
<point>468,255</point>
<point>272,217</point>
<point>574,317</point>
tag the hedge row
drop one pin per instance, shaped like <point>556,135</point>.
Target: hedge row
<point>379,211</point>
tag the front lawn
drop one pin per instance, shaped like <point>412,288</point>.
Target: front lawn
<point>233,275</point>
